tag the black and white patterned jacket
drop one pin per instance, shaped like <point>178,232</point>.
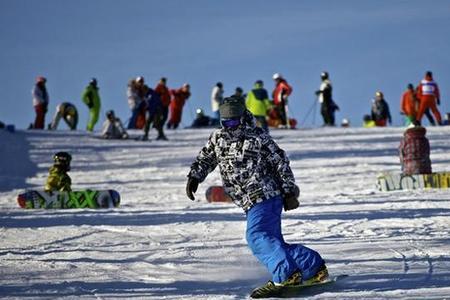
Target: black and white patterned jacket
<point>252,166</point>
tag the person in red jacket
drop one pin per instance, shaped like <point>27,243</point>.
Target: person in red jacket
<point>280,97</point>
<point>176,105</point>
<point>428,93</point>
<point>409,104</point>
<point>414,151</point>
<point>164,94</point>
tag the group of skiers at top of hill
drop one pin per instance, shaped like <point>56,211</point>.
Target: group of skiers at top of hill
<point>151,107</point>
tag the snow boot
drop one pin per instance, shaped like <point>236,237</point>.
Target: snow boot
<point>321,276</point>
<point>162,137</point>
<point>271,289</point>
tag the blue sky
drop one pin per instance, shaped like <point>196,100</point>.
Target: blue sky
<point>365,46</point>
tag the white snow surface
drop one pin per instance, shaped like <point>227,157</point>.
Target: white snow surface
<point>161,245</point>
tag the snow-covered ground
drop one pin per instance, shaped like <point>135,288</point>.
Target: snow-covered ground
<point>161,245</point>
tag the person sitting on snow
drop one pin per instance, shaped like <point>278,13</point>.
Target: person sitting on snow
<point>414,151</point>
<point>58,180</point>
<point>68,112</point>
<point>256,174</point>
<point>113,127</point>
<point>201,120</point>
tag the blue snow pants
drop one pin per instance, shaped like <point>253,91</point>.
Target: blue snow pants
<point>266,241</point>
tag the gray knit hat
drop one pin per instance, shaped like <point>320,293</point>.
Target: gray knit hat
<point>231,109</point>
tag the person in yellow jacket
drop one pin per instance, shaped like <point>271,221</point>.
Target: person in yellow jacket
<point>368,122</point>
<point>58,180</point>
<point>258,104</point>
<point>91,98</point>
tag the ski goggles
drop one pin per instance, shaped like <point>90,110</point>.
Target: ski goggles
<point>230,123</point>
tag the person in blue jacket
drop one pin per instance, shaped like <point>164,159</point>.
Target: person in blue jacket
<point>154,111</point>
<point>256,175</point>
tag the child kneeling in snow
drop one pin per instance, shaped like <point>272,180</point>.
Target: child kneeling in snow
<point>58,180</point>
<point>257,176</point>
<point>414,151</point>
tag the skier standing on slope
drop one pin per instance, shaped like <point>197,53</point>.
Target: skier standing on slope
<point>280,98</point>
<point>216,99</point>
<point>179,98</point>
<point>135,97</point>
<point>428,93</point>
<point>40,102</point>
<point>91,98</point>
<point>327,105</point>
<point>258,104</point>
<point>256,174</point>
<point>164,93</point>
<point>58,180</point>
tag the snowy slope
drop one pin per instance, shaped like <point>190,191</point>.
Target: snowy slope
<point>160,245</point>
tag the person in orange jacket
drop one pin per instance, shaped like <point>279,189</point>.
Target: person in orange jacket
<point>409,104</point>
<point>428,93</point>
<point>164,94</point>
<point>280,97</point>
<point>176,105</point>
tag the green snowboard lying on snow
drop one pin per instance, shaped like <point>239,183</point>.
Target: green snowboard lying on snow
<point>73,199</point>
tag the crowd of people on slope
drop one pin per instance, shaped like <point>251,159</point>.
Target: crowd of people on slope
<point>163,107</point>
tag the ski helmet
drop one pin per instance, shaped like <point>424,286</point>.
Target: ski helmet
<point>93,81</point>
<point>379,95</point>
<point>277,76</point>
<point>324,75</point>
<point>110,114</point>
<point>199,112</point>
<point>62,159</point>
<point>231,109</point>
<point>140,79</point>
<point>41,79</point>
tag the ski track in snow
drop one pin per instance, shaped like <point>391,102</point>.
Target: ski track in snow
<point>161,245</point>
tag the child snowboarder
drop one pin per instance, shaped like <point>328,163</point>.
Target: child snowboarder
<point>113,127</point>
<point>257,176</point>
<point>414,151</point>
<point>58,180</point>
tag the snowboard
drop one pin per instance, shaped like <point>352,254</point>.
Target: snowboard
<point>74,199</point>
<point>216,193</point>
<point>391,182</point>
<point>299,291</point>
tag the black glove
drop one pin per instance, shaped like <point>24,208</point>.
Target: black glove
<point>438,101</point>
<point>291,199</point>
<point>318,93</point>
<point>191,187</point>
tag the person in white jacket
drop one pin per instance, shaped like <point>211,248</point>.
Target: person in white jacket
<point>216,99</point>
<point>40,102</point>
<point>135,97</point>
<point>113,127</point>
